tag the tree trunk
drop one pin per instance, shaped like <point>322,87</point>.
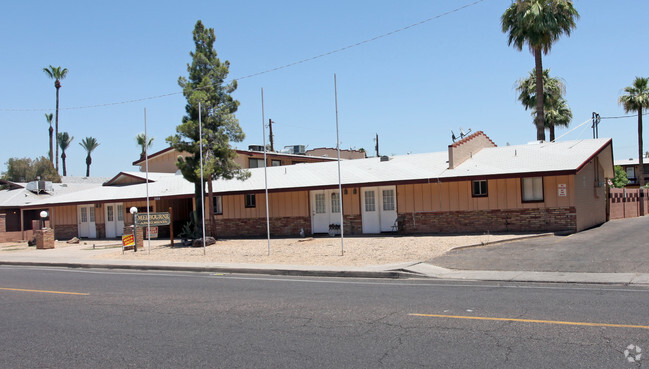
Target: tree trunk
<point>88,162</point>
<point>51,144</point>
<point>57,129</point>
<point>552,133</point>
<point>63,156</point>
<point>540,126</point>
<point>640,161</point>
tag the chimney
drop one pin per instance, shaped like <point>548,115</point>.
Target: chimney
<point>464,149</point>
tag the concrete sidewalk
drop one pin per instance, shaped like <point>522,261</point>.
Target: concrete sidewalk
<point>82,258</point>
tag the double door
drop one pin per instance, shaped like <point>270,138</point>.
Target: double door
<point>325,210</point>
<point>378,209</point>
<point>114,215</point>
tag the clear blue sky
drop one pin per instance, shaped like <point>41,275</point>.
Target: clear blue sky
<point>411,87</point>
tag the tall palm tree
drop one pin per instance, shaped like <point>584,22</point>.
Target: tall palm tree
<point>556,110</point>
<point>49,118</point>
<point>538,23</point>
<point>140,139</point>
<point>57,74</point>
<point>89,144</point>
<point>637,98</point>
<point>64,140</point>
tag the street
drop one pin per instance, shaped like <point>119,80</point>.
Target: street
<point>53,318</point>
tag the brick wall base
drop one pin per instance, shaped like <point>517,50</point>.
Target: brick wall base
<point>256,227</point>
<point>44,238</point>
<point>515,220</point>
<point>65,231</point>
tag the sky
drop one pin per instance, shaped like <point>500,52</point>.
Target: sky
<point>410,87</point>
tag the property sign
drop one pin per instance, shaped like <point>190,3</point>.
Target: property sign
<point>563,190</point>
<point>128,240</point>
<point>154,219</point>
<point>152,232</point>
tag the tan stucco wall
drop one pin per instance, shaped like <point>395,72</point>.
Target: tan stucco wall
<point>591,198</point>
<point>164,163</point>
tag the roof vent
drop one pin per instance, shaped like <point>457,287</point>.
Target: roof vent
<point>385,158</point>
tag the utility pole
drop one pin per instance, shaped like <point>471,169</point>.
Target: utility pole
<point>377,145</point>
<point>270,126</point>
<point>596,120</point>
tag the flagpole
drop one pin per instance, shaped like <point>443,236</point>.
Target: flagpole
<point>200,149</point>
<point>340,191</point>
<point>263,127</point>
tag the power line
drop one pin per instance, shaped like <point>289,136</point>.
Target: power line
<point>387,34</point>
<point>623,116</point>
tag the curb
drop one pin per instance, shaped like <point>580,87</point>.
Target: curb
<point>287,272</point>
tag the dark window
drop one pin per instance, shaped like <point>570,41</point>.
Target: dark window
<point>217,204</point>
<point>480,188</point>
<point>251,201</point>
<point>276,163</point>
<point>255,163</point>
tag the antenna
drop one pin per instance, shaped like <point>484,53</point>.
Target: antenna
<point>453,136</point>
<point>464,134</point>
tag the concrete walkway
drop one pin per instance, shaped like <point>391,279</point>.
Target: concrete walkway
<point>76,257</point>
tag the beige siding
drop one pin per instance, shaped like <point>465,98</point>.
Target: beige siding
<point>281,204</point>
<point>502,194</point>
<point>591,196</point>
<point>65,215</point>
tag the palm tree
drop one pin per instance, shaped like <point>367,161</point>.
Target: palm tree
<point>64,140</point>
<point>141,139</point>
<point>49,118</point>
<point>57,74</point>
<point>538,23</point>
<point>557,113</point>
<point>556,110</point>
<point>637,98</point>
<point>89,144</point>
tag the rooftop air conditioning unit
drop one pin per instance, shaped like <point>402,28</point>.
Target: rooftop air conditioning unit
<point>256,147</point>
<point>39,187</point>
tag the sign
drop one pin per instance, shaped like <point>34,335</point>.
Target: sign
<point>128,240</point>
<point>154,219</point>
<point>152,232</point>
<point>563,190</point>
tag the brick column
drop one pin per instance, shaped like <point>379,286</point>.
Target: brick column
<point>44,238</point>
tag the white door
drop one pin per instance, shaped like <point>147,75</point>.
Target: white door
<point>114,215</point>
<point>86,220</point>
<point>369,210</point>
<point>325,210</point>
<point>378,209</point>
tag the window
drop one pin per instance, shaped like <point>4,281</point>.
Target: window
<point>251,201</point>
<point>479,188</point>
<point>335,202</point>
<point>255,163</point>
<point>532,189</point>
<point>109,211</point>
<point>388,199</point>
<point>275,163</point>
<point>120,213</point>
<point>370,205</point>
<point>630,172</point>
<point>217,204</point>
<point>320,206</point>
<point>84,215</point>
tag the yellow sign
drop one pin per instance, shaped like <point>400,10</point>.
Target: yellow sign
<point>128,240</point>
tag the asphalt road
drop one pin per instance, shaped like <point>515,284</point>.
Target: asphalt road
<point>619,246</point>
<point>61,318</point>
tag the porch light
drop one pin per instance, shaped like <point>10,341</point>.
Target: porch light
<point>43,215</point>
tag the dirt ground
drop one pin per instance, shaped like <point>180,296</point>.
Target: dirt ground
<point>325,251</point>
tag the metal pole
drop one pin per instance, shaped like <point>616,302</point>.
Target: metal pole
<point>200,149</point>
<point>340,191</point>
<point>146,166</point>
<point>263,120</point>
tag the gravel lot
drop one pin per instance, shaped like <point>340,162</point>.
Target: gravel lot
<point>326,251</point>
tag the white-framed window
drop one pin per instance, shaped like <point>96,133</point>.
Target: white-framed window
<point>251,201</point>
<point>335,202</point>
<point>320,203</point>
<point>479,188</point>
<point>388,199</point>
<point>217,204</point>
<point>370,203</point>
<point>630,172</point>
<point>255,163</point>
<point>120,212</point>
<point>109,215</point>
<point>532,189</point>
<point>84,215</point>
<point>92,214</point>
